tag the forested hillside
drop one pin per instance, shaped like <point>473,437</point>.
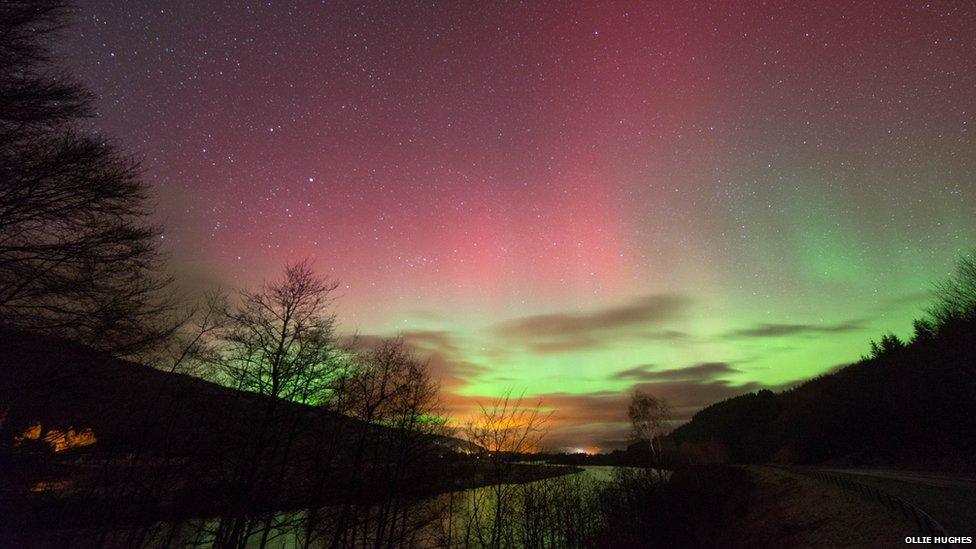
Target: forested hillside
<point>905,404</point>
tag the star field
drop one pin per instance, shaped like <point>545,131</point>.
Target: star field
<point>562,198</point>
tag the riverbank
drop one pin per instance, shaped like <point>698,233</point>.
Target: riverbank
<point>54,508</point>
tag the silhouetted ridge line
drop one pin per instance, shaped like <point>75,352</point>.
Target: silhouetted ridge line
<point>906,404</point>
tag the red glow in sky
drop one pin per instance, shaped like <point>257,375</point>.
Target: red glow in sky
<point>461,166</point>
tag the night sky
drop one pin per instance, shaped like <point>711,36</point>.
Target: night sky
<point>562,199</point>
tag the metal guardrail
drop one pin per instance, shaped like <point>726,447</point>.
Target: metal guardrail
<point>925,523</point>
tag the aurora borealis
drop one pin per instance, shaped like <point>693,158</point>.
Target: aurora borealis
<point>565,199</point>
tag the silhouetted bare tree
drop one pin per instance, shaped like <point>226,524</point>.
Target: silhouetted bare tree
<point>391,394</point>
<point>77,255</point>
<point>505,428</point>
<point>649,417</point>
<point>278,342</point>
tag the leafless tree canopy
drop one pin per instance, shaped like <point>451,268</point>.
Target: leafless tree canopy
<point>649,417</point>
<point>279,341</point>
<point>387,385</point>
<point>77,256</point>
<point>508,425</point>
<point>505,427</point>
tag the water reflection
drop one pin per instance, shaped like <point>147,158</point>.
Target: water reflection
<point>561,511</point>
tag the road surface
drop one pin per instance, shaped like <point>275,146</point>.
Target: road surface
<point>949,499</point>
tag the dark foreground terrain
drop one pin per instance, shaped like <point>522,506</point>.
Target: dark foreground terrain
<point>90,439</point>
<point>727,506</point>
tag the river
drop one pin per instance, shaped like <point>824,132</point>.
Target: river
<point>554,509</point>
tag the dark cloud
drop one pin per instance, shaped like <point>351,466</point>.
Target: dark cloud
<point>647,372</point>
<point>595,419</point>
<point>777,330</point>
<point>437,340</point>
<point>695,394</point>
<point>602,438</point>
<point>644,310</point>
<point>452,373</point>
<point>589,420</point>
<point>440,349</point>
<point>566,332</point>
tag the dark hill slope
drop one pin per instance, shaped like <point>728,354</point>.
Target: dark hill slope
<point>128,406</point>
<point>912,406</point>
<point>61,385</point>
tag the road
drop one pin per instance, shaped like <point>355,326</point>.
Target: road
<point>929,479</point>
<point>951,500</point>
